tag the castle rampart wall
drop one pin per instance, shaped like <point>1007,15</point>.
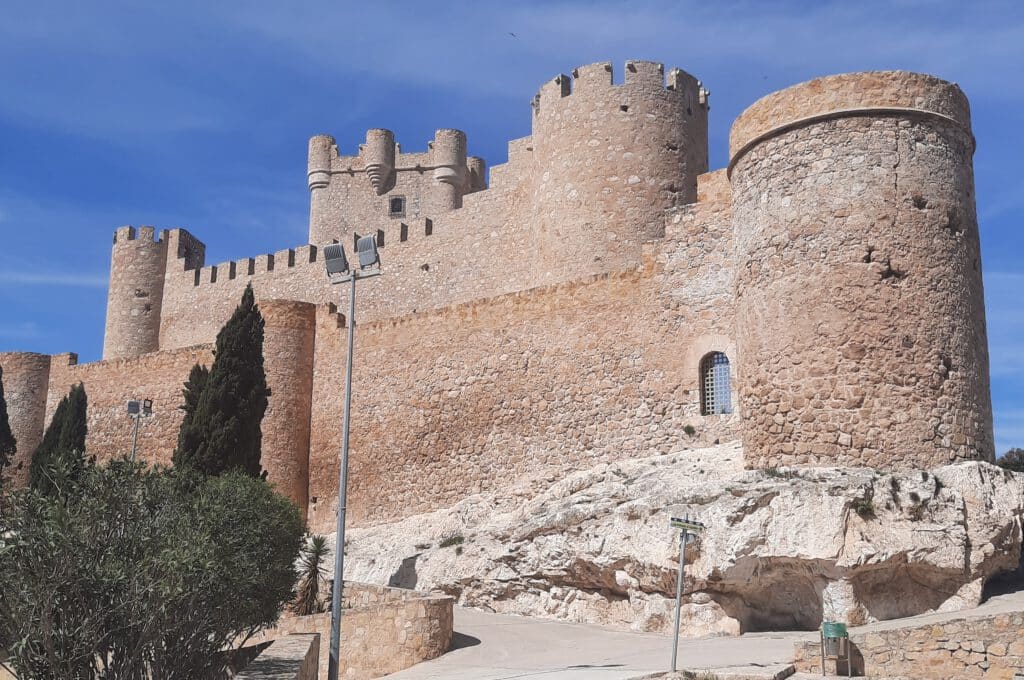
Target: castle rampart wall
<point>25,379</point>
<point>581,196</point>
<point>860,317</point>
<point>109,384</point>
<point>526,385</point>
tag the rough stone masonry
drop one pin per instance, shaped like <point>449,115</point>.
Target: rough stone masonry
<point>604,296</point>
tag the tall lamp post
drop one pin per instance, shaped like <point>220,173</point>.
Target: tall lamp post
<point>688,529</point>
<point>137,409</point>
<point>338,271</point>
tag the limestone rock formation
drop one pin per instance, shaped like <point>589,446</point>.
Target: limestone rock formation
<point>783,549</point>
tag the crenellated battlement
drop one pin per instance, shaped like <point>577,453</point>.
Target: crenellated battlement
<point>598,79</point>
<point>390,237</point>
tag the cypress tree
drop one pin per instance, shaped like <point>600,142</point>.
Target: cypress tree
<point>224,409</point>
<point>190,433</point>
<point>61,455</point>
<point>8,444</point>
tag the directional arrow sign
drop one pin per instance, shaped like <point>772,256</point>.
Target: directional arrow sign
<point>687,525</point>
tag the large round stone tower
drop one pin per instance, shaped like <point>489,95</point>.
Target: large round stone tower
<point>609,159</point>
<point>137,268</point>
<point>860,319</point>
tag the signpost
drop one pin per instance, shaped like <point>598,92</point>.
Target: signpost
<point>688,529</point>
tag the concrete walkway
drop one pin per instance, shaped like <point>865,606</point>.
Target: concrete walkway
<point>496,647</point>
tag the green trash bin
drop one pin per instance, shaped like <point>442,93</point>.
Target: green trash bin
<point>835,645</point>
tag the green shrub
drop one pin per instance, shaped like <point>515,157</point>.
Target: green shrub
<point>864,507</point>
<point>455,539</point>
<point>142,574</point>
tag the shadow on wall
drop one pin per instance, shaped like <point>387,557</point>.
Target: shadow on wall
<point>405,576</point>
<point>895,591</point>
<point>778,594</point>
<point>1005,583</point>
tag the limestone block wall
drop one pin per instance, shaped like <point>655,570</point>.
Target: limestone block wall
<point>989,647</point>
<point>860,320</point>
<point>160,376</point>
<point>383,630</point>
<point>25,379</point>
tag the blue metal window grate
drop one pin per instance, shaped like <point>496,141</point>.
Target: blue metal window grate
<point>715,395</point>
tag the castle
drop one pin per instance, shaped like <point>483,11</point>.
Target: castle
<point>603,296</point>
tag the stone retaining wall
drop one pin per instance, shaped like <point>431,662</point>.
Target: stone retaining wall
<point>293,657</point>
<point>989,647</point>
<point>383,630</point>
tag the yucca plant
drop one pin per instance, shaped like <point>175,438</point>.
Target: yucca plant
<point>312,575</point>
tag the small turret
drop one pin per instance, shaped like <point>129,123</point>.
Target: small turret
<point>448,157</point>
<point>138,264</point>
<point>378,156</point>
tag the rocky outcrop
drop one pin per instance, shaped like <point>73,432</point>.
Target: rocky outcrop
<point>784,548</point>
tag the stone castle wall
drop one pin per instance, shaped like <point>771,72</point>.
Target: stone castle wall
<point>352,195</point>
<point>110,384</point>
<point>580,196</point>
<point>526,385</point>
<point>559,316</point>
<point>860,320</point>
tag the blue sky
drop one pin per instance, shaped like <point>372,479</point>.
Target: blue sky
<point>196,114</point>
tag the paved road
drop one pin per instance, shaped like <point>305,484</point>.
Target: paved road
<point>496,647</point>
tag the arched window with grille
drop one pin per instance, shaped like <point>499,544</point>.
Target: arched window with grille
<point>715,385</point>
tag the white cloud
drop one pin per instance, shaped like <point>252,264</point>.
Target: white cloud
<point>22,278</point>
<point>19,331</point>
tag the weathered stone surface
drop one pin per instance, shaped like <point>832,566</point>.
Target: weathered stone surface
<point>783,549</point>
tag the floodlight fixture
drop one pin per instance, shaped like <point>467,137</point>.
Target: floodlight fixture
<point>137,409</point>
<point>338,271</point>
<point>335,260</point>
<point>366,247</point>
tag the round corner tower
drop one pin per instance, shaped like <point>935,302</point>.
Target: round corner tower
<point>860,319</point>
<point>137,268</point>
<point>25,377</point>
<point>609,159</point>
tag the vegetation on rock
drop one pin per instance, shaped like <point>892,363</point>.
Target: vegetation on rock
<point>1012,460</point>
<point>224,407</point>
<point>311,594</point>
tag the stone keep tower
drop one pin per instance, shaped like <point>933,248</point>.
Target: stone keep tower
<point>137,268</point>
<point>358,194</point>
<point>860,322</point>
<point>609,159</point>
